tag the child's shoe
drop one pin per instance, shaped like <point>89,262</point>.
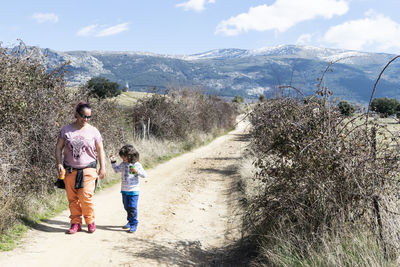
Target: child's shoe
<point>132,229</point>
<point>91,227</point>
<point>126,226</point>
<point>75,227</point>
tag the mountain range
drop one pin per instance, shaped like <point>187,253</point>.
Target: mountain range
<point>246,73</point>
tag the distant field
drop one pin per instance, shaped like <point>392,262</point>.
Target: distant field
<point>391,124</point>
<point>388,132</point>
<point>125,98</point>
<point>391,134</point>
<point>128,98</point>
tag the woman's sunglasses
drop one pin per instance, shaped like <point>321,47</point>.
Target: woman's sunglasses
<point>84,116</point>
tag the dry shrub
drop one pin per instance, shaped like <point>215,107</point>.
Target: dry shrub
<point>110,120</point>
<point>322,174</point>
<point>180,113</point>
<point>34,104</point>
<point>31,111</point>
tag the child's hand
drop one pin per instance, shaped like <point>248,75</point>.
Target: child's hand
<point>112,157</point>
<point>132,170</point>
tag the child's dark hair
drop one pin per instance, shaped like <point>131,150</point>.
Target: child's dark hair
<point>130,153</point>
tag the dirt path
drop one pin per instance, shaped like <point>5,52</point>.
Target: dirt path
<point>187,213</point>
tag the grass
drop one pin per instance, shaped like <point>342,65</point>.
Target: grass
<point>37,209</point>
<point>9,240</point>
<point>356,248</point>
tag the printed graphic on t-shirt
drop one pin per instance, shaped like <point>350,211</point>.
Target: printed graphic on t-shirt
<point>78,144</point>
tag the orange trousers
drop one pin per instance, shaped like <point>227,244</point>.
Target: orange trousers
<point>81,200</point>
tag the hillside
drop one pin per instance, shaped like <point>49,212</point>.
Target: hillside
<point>230,72</point>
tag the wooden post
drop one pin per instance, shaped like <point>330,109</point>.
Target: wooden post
<point>373,142</point>
<point>375,198</point>
<point>143,129</point>
<point>148,128</point>
<point>134,130</point>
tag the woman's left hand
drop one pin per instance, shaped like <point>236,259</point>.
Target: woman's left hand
<point>102,173</point>
<point>100,152</point>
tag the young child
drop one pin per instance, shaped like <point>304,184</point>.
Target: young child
<point>131,171</point>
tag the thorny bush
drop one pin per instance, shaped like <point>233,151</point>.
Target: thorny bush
<point>320,171</point>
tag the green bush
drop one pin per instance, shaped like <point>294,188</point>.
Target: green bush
<point>346,108</point>
<point>385,106</point>
<point>102,88</point>
<point>238,99</point>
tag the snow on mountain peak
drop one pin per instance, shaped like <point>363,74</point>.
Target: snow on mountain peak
<point>300,51</point>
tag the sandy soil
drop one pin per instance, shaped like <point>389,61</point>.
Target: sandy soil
<point>188,212</point>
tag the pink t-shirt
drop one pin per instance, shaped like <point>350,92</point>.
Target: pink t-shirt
<point>80,145</point>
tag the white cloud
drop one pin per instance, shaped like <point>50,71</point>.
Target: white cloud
<point>304,39</point>
<point>102,31</point>
<point>281,15</point>
<point>375,30</point>
<point>88,30</point>
<point>196,5</point>
<point>113,30</point>
<point>45,17</point>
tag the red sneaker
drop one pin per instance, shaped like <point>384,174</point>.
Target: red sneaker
<point>74,228</point>
<point>92,227</point>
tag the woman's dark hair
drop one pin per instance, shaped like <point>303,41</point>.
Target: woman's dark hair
<point>130,153</point>
<point>81,105</point>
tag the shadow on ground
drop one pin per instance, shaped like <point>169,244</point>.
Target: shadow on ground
<point>189,253</point>
<point>227,171</point>
<point>54,226</point>
<point>242,137</point>
<point>59,227</point>
<point>222,158</point>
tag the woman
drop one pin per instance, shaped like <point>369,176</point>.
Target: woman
<point>82,145</point>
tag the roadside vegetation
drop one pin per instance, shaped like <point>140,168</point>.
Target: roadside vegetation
<point>321,184</point>
<point>35,103</point>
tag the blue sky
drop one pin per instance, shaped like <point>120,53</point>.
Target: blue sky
<point>194,26</point>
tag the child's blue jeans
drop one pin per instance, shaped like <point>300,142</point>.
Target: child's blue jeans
<point>130,205</point>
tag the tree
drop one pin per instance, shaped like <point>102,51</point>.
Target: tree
<point>237,99</point>
<point>346,108</point>
<point>261,98</point>
<point>385,106</point>
<point>102,87</point>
